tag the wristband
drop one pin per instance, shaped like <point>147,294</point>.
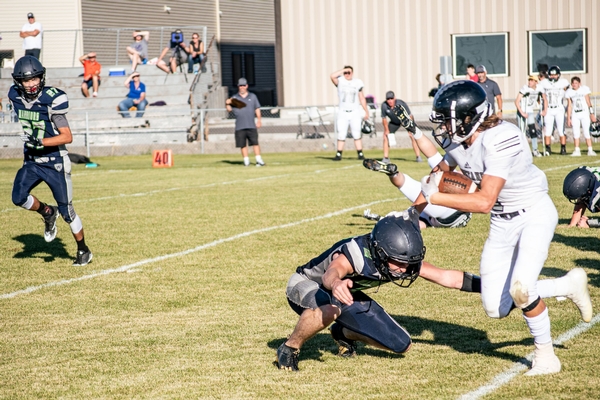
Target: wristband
<point>591,110</point>
<point>418,133</point>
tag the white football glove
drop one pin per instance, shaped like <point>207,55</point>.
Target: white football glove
<point>24,137</point>
<point>429,184</point>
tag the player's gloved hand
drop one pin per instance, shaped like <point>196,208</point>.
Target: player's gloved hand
<point>429,184</point>
<point>405,119</point>
<point>31,141</point>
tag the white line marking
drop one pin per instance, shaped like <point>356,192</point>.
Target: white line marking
<point>186,252</point>
<point>519,366</point>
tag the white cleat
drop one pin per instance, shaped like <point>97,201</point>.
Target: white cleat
<point>576,153</point>
<point>579,293</point>
<point>544,361</point>
<point>591,153</point>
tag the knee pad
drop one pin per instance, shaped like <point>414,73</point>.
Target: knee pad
<point>531,131</point>
<point>519,294</point>
<point>26,204</point>
<point>76,225</point>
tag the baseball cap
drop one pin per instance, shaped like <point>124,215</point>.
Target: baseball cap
<point>30,15</point>
<point>389,95</point>
<point>242,82</point>
<point>480,68</point>
<point>533,78</point>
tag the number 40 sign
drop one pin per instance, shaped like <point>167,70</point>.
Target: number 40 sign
<point>162,159</point>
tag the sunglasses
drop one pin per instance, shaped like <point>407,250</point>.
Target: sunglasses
<point>242,85</point>
<point>347,72</point>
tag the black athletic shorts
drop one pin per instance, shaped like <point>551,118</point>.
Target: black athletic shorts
<point>246,137</point>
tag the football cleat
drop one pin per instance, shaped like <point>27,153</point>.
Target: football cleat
<point>371,216</point>
<point>374,165</point>
<point>563,151</point>
<point>346,347</point>
<point>83,258</point>
<point>544,360</point>
<point>338,156</point>
<point>361,156</point>
<point>287,358</point>
<point>50,225</point>
<point>579,293</point>
<point>260,164</point>
<point>404,117</point>
<point>591,153</point>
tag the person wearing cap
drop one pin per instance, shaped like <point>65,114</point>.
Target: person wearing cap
<point>492,90</point>
<point>91,74</point>
<point>390,128</point>
<point>135,98</point>
<point>527,103</point>
<point>246,129</point>
<point>32,37</point>
<point>138,50</point>
<point>352,109</point>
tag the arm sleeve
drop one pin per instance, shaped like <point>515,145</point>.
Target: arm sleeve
<point>60,120</point>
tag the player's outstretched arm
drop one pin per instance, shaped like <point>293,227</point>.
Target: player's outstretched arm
<point>451,278</point>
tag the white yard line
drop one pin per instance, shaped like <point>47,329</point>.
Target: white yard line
<point>518,367</point>
<point>189,251</point>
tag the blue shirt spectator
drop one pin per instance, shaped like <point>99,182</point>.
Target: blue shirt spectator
<point>135,98</point>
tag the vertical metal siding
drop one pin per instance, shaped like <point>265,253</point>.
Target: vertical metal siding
<point>397,44</point>
<point>247,21</point>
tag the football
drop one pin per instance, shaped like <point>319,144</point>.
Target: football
<point>455,182</point>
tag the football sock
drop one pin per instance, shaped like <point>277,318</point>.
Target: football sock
<point>44,210</point>
<point>259,159</point>
<point>246,160</point>
<point>539,327</point>
<point>81,246</point>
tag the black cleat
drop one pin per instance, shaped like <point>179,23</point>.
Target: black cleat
<point>346,347</point>
<point>374,165</point>
<point>405,119</point>
<point>361,156</point>
<point>50,225</point>
<point>83,258</point>
<point>287,358</point>
<point>563,151</point>
<point>338,156</point>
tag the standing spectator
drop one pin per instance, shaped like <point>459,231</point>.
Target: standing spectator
<point>178,55</point>
<point>91,74</point>
<point>471,73</point>
<point>352,98</point>
<point>195,52</point>
<point>392,126</point>
<point>580,113</point>
<point>45,135</point>
<point>527,103</point>
<point>246,130</point>
<point>135,98</point>
<point>492,90</point>
<point>138,51</point>
<point>32,37</point>
<point>553,92</point>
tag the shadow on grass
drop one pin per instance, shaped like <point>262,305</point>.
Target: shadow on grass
<point>238,162</point>
<point>34,246</point>
<point>460,338</point>
<point>583,243</point>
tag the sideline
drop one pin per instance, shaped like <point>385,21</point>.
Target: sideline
<point>124,268</point>
<point>519,366</point>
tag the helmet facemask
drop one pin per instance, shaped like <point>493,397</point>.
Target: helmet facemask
<point>454,129</point>
<point>412,268</point>
<point>30,93</point>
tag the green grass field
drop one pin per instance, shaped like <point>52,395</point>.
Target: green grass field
<point>185,297</point>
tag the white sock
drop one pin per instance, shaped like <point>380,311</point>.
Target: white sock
<point>259,158</point>
<point>547,288</point>
<point>539,327</point>
<point>246,160</point>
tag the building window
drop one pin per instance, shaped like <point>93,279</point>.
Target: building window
<point>565,48</point>
<point>242,66</point>
<point>489,49</point>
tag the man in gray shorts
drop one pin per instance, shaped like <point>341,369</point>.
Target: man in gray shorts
<point>246,133</point>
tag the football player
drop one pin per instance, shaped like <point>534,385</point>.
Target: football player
<point>582,187</point>
<point>580,114</point>
<point>527,103</point>
<point>495,155</point>
<point>553,92</point>
<point>42,112</point>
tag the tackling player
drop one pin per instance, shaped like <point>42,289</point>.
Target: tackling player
<point>42,113</point>
<point>582,188</point>
<point>496,156</point>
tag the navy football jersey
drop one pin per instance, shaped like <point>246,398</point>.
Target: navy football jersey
<point>358,252</point>
<point>36,118</point>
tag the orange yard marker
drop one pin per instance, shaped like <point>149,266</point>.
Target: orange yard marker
<point>162,159</point>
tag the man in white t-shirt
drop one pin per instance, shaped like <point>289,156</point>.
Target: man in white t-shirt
<point>553,90</point>
<point>580,113</point>
<point>32,37</point>
<point>352,109</point>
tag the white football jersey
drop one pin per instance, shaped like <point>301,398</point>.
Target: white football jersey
<point>578,98</point>
<point>529,101</point>
<point>555,91</point>
<point>502,151</point>
<point>348,93</point>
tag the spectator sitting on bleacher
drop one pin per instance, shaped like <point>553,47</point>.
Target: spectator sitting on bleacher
<point>135,98</point>
<point>195,52</point>
<point>178,55</point>
<point>91,74</point>
<point>138,51</point>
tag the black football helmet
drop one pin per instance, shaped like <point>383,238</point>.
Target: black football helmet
<point>366,126</point>
<point>579,185</point>
<point>595,128</point>
<point>459,107</point>
<point>28,67</point>
<point>398,238</point>
<point>554,70</point>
